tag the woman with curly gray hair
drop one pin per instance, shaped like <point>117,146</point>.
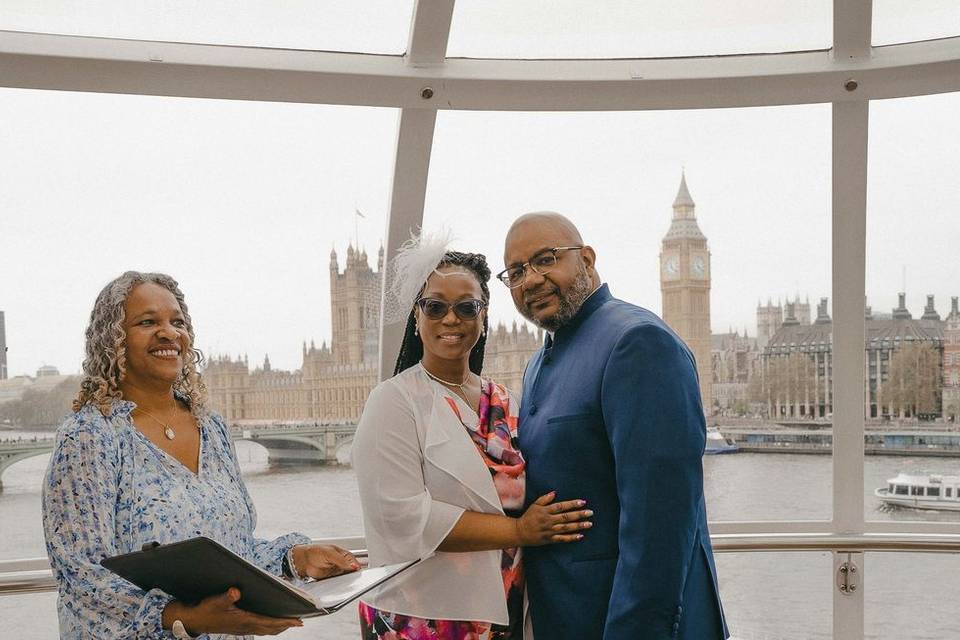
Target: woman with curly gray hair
<point>142,460</point>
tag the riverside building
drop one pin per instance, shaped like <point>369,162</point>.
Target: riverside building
<point>334,380</point>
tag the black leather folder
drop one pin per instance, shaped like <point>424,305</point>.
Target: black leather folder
<point>194,569</point>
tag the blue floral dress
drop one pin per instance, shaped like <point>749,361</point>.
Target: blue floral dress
<point>109,490</point>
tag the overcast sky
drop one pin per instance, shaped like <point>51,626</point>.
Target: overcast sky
<point>242,202</point>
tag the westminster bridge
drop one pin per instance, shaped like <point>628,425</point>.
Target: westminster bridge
<point>285,442</point>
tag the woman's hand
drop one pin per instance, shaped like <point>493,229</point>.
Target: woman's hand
<point>323,560</point>
<point>219,614</point>
<point>546,522</point>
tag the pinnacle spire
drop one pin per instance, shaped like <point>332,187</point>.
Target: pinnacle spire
<point>684,223</point>
<point>683,198</point>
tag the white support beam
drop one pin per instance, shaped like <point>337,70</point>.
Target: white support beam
<point>411,169</point>
<point>852,28</point>
<point>429,32</point>
<point>850,129</point>
<point>69,63</point>
<point>848,606</point>
<point>428,46</point>
<point>850,124</point>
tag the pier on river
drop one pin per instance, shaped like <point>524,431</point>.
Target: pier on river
<point>918,439</point>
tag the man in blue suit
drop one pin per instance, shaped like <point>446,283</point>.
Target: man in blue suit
<point>611,413</point>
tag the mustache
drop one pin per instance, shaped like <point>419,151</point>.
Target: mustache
<point>529,297</point>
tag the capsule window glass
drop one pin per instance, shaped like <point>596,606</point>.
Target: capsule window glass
<point>895,21</point>
<point>636,29</point>
<point>646,192</point>
<point>243,204</point>
<point>911,298</point>
<point>367,26</point>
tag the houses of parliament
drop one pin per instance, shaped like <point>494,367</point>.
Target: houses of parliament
<point>784,369</point>
<point>334,379</point>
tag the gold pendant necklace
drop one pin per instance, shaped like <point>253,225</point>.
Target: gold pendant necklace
<point>463,392</point>
<point>167,431</point>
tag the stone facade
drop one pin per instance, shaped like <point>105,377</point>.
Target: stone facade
<point>3,348</point>
<point>770,317</point>
<point>507,353</point>
<point>685,286</point>
<point>735,361</point>
<point>803,387</point>
<point>951,363</point>
<point>334,381</point>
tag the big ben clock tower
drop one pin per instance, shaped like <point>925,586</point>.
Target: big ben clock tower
<point>685,285</point>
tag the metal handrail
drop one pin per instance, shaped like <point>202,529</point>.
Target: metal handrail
<point>33,575</point>
<point>837,543</point>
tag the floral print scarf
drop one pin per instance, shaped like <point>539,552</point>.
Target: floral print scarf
<point>495,435</point>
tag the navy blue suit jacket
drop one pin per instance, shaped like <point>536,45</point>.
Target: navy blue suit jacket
<point>611,413</point>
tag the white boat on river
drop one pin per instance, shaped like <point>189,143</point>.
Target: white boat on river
<point>930,491</point>
<point>718,443</point>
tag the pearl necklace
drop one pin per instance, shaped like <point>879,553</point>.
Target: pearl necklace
<point>167,431</point>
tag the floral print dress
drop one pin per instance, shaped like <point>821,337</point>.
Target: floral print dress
<point>109,490</point>
<point>495,436</point>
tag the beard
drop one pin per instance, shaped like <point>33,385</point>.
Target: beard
<point>568,303</point>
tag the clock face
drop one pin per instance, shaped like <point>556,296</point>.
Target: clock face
<point>699,266</point>
<point>671,266</point>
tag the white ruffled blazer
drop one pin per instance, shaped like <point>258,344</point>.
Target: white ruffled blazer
<point>418,470</point>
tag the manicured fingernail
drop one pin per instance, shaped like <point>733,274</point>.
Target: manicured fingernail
<point>581,502</point>
<point>587,525</point>
<point>588,513</point>
<point>579,536</point>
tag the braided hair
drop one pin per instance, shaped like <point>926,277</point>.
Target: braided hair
<point>411,349</point>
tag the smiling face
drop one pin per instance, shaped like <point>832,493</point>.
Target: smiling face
<point>450,337</point>
<point>157,339</point>
<point>550,300</point>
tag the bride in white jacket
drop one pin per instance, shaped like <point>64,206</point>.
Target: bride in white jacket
<point>439,471</point>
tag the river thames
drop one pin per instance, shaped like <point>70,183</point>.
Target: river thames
<point>767,596</point>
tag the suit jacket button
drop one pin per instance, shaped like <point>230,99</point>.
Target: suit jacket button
<point>679,609</point>
<point>533,410</point>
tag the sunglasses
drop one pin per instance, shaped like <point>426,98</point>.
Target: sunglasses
<point>465,309</point>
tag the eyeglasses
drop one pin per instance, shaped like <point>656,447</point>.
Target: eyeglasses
<point>541,263</point>
<point>465,309</point>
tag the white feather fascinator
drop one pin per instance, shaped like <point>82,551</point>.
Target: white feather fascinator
<point>408,271</point>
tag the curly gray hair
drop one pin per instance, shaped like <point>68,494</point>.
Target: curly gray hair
<point>106,352</point>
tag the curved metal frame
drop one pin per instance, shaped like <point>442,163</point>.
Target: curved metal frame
<point>424,81</point>
<point>77,63</point>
